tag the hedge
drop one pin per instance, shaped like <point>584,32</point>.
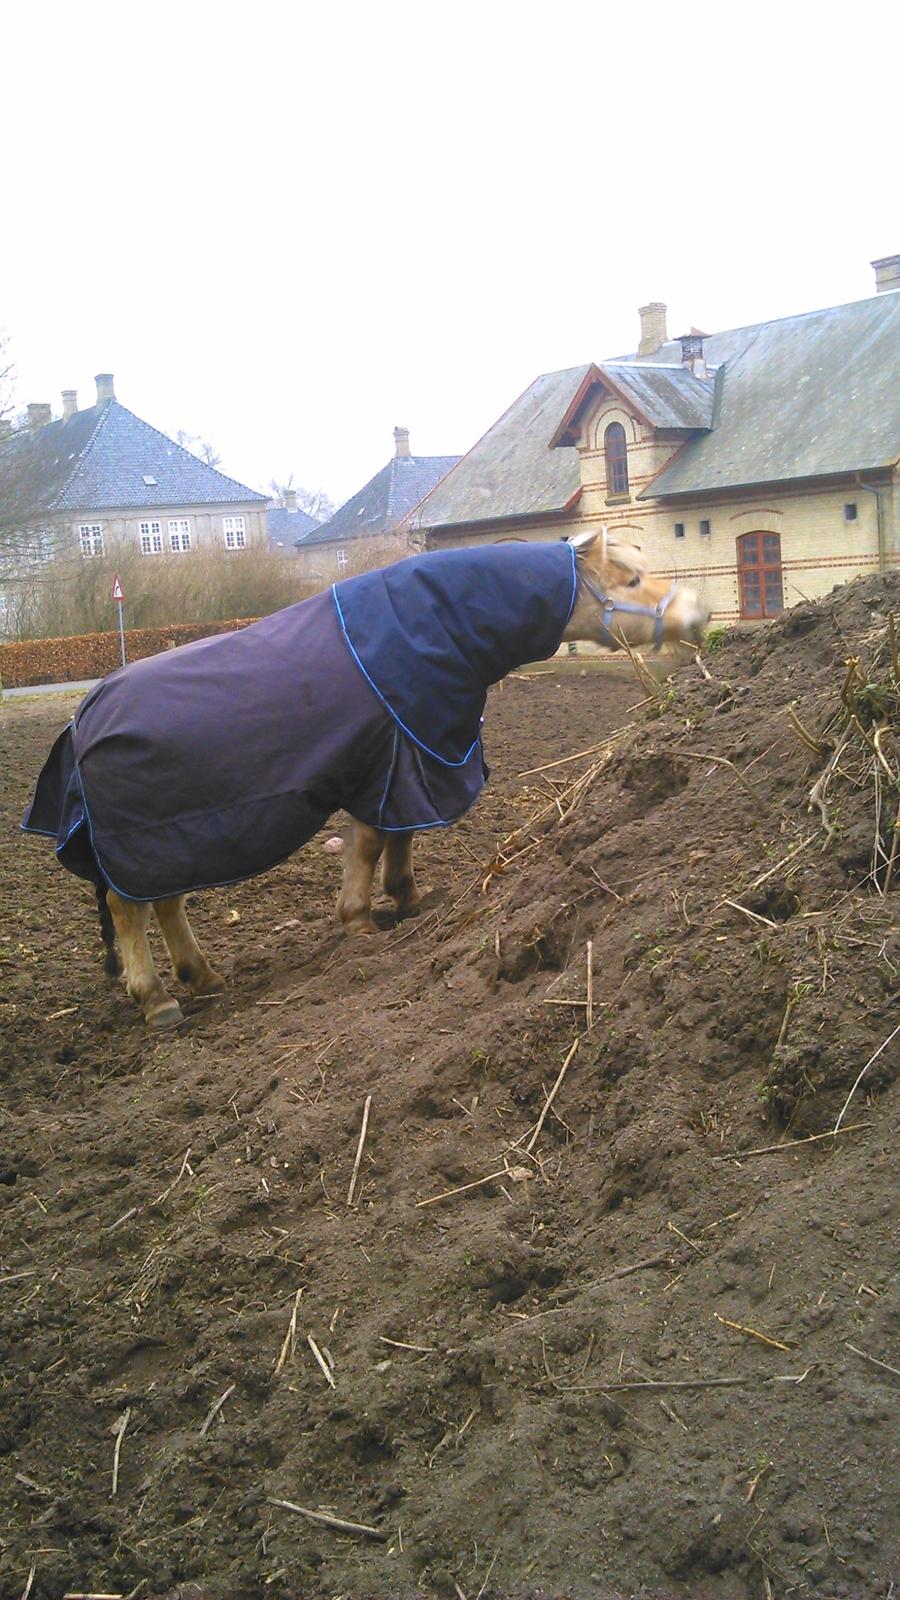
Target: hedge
<point>92,655</point>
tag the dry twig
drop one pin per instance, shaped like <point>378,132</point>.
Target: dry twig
<point>338,1523</point>
<point>753,1333</point>
<point>551,1097</point>
<point>290,1339</point>
<point>874,1359</point>
<point>723,761</point>
<point>359,1150</point>
<point>214,1410</point>
<point>329,1375</point>
<point>513,1174</point>
<point>790,1144</point>
<point>862,1074</point>
<point>119,1431</point>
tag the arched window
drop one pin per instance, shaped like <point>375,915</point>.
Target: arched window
<point>616,447</point>
<point>759,570</point>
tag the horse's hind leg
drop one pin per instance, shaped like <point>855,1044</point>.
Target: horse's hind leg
<point>361,857</point>
<point>190,964</point>
<point>399,879</point>
<point>141,977</point>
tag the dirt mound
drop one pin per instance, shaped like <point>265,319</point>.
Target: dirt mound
<point>586,1343</point>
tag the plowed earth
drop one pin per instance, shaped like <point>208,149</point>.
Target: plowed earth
<point>627,1364</point>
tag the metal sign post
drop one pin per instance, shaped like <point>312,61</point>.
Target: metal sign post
<point>119,596</point>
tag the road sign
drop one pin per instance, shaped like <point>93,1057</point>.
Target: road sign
<point>119,596</point>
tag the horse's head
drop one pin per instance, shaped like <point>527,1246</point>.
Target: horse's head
<point>618,599</point>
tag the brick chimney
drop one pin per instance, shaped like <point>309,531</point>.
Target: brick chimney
<point>692,353</point>
<point>887,274</point>
<point>105,390</point>
<point>290,499</point>
<point>401,442</point>
<point>39,414</point>
<point>653,328</point>
<point>70,403</point>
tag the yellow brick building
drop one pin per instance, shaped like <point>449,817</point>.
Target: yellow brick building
<point>761,463</point>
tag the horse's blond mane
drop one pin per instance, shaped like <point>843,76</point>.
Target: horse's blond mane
<point>628,556</point>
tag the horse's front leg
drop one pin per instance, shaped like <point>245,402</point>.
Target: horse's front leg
<point>141,977</point>
<point>399,879</point>
<point>188,959</point>
<point>361,856</point>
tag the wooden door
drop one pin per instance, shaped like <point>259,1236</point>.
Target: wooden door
<point>759,573</point>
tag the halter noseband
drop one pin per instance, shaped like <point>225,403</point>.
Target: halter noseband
<point>609,606</point>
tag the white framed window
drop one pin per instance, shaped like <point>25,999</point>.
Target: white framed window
<point>151,538</point>
<point>179,533</point>
<point>38,545</point>
<point>90,537</point>
<point>341,558</point>
<point>235,533</point>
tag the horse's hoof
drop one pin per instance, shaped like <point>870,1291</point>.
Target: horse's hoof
<point>165,1016</point>
<point>411,907</point>
<point>353,928</point>
<point>212,984</point>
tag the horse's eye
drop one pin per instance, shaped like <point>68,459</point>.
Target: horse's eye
<point>635,582</point>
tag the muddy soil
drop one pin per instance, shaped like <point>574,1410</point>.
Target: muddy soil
<point>632,1351</point>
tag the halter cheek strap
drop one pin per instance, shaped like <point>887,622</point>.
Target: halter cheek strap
<point>610,606</point>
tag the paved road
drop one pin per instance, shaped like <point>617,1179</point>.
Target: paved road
<point>81,687</point>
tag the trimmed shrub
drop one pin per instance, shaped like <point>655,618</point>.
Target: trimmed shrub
<point>92,655</point>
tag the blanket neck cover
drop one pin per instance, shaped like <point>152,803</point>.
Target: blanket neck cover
<point>211,763</point>
<point>432,633</point>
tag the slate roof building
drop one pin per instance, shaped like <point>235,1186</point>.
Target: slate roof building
<point>364,531</point>
<point>761,463</point>
<point>90,478</point>
<point>288,526</point>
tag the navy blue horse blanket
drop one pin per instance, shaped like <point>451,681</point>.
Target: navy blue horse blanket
<point>212,762</point>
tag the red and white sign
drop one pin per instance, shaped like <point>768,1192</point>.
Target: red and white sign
<point>118,591</point>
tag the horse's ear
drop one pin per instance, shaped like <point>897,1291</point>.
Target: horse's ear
<point>589,540</point>
<point>585,541</point>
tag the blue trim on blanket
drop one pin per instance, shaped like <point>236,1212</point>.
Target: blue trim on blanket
<point>392,767</point>
<point>574,590</point>
<point>444,762</point>
<point>386,703</point>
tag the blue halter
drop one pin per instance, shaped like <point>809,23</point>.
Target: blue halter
<point>609,606</point>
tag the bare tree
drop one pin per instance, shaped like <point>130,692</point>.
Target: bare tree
<point>7,380</point>
<point>315,502</point>
<point>198,447</point>
<point>27,538</point>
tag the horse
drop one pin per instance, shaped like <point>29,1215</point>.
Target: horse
<point>210,763</point>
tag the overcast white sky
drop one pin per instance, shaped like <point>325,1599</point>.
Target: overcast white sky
<point>287,227</point>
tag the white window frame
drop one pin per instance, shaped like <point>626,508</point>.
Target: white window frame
<point>342,560</point>
<point>90,538</point>
<point>234,533</point>
<point>179,534</point>
<point>151,537</point>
